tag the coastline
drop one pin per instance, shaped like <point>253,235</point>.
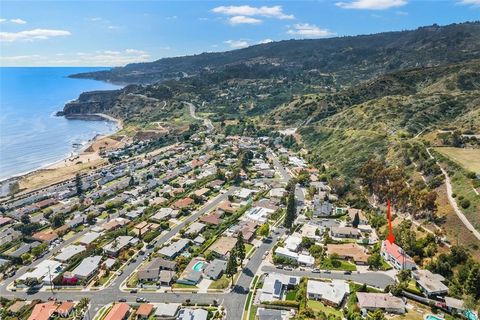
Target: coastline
<point>75,156</point>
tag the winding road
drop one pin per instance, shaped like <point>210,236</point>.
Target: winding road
<point>207,122</point>
<point>452,201</point>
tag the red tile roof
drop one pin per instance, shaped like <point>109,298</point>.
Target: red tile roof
<point>118,312</point>
<point>213,218</point>
<point>182,203</point>
<point>43,311</point>
<point>144,309</point>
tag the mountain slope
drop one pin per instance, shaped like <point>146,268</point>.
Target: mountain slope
<point>351,59</point>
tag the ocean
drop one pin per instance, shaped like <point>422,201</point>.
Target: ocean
<point>31,136</point>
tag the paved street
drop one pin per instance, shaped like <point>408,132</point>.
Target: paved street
<point>373,279</point>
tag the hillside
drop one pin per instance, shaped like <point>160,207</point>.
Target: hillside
<point>347,127</point>
<point>350,59</point>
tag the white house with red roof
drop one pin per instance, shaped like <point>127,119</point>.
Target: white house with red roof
<point>397,256</point>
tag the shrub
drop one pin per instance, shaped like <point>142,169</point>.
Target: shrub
<point>465,203</point>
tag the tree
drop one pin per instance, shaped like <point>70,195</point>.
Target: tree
<point>375,261</point>
<point>356,220</point>
<point>472,285</point>
<point>378,315</point>
<point>240,248</point>
<point>90,218</point>
<point>78,185</point>
<point>231,268</point>
<point>25,219</point>
<point>291,210</point>
<point>264,230</point>
<point>58,220</point>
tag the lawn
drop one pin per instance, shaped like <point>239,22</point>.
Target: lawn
<point>467,158</point>
<point>221,283</point>
<point>342,265</point>
<point>248,247</point>
<point>132,281</point>
<point>317,306</point>
<point>291,295</point>
<point>184,286</point>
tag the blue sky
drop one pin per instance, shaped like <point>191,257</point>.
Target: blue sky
<point>112,33</point>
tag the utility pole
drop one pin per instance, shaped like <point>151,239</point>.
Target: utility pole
<point>50,276</point>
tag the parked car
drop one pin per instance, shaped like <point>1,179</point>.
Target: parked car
<point>122,300</point>
<point>347,272</point>
<point>141,299</point>
<point>327,271</point>
<point>288,268</point>
<point>133,291</point>
<point>316,270</point>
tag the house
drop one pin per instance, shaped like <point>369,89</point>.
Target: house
<point>322,208</point>
<point>44,236</point>
<point>348,251</point>
<point>373,301</point>
<point>166,277</point>
<point>430,283</point>
<point>87,268</point>
<point>119,243</point>
<point>201,192</point>
<point>226,206</point>
<point>222,247</point>
<point>293,241</point>
<point>144,227</point>
<point>345,232</point>
<point>43,311</point>
<point>275,284</point>
<point>331,293</point>
<point>119,311</point>
<point>455,306</point>
<point>352,212</point>
<point>311,231</point>
<point>174,249</point>
<point>193,272</point>
<point>69,252</point>
<point>8,235</point>
<point>166,310</point>
<point>144,310</point>
<point>88,238</point>
<point>215,269</point>
<point>5,220</point>
<point>195,228</point>
<point>164,214</point>
<point>244,193</point>
<point>271,314</point>
<point>16,307</point>
<point>64,309</point>
<point>151,270</point>
<point>114,224</point>
<point>396,256</point>
<point>213,218</point>
<point>277,192</point>
<point>259,214</point>
<point>43,272</point>
<point>192,314</point>
<point>182,203</point>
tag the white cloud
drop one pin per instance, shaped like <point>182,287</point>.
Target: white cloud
<point>237,44</point>
<point>265,41</point>
<point>243,20</point>
<point>264,11</point>
<point>371,4</point>
<point>18,21</point>
<point>113,27</point>
<point>30,35</point>
<point>306,30</point>
<point>135,51</point>
<point>470,2</point>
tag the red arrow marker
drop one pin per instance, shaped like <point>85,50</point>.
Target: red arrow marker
<point>390,237</point>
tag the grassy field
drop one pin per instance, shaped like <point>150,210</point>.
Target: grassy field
<point>221,283</point>
<point>317,306</point>
<point>343,265</point>
<point>467,158</point>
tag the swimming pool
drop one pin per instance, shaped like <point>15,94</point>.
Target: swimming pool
<point>198,266</point>
<point>470,315</point>
<point>432,317</point>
